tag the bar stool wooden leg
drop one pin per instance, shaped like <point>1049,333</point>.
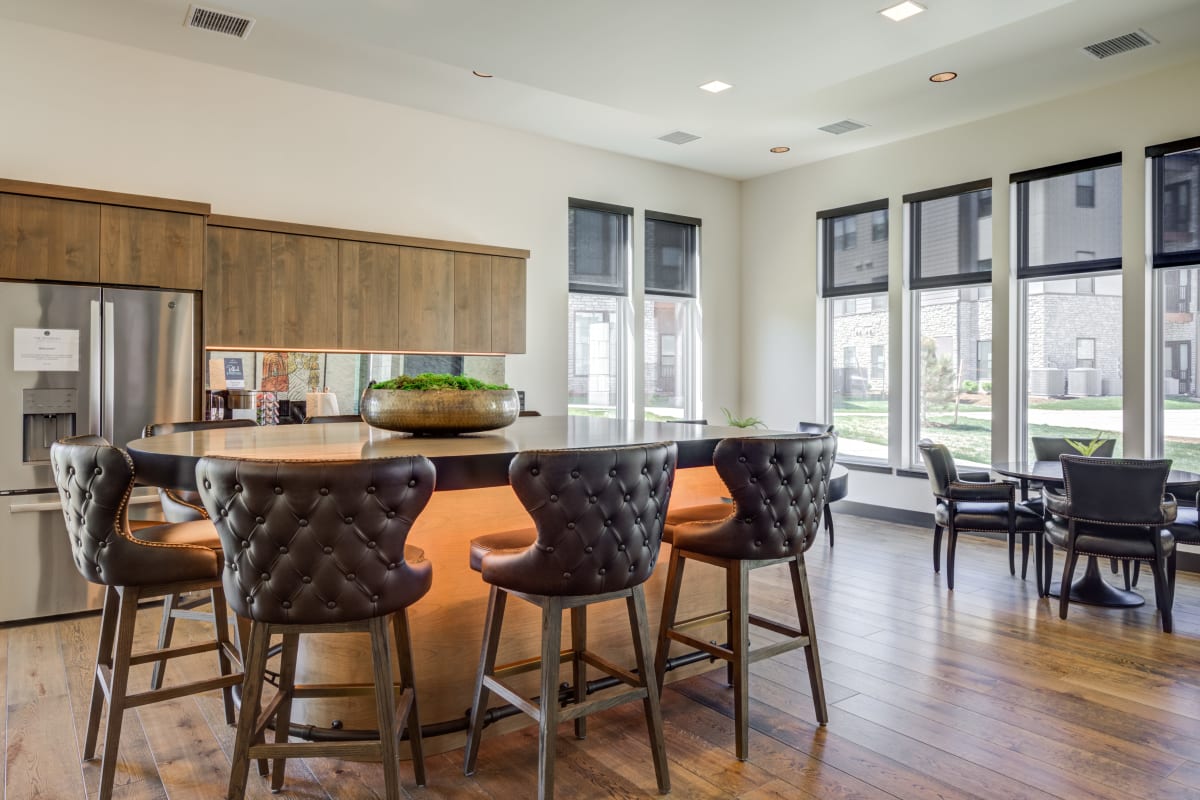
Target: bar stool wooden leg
<point>104,657</point>
<point>385,708</point>
<point>224,645</point>
<point>283,715</point>
<point>640,628</point>
<point>255,660</point>
<point>738,591</point>
<point>808,628</point>
<point>164,639</point>
<point>126,622</point>
<point>497,599</point>
<point>669,608</point>
<point>548,702</point>
<point>408,685</point>
<point>578,667</point>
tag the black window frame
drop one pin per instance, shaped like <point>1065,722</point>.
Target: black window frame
<point>825,221</point>
<point>1020,182</point>
<point>914,201</point>
<point>694,267</point>
<point>1156,154</point>
<point>626,241</point>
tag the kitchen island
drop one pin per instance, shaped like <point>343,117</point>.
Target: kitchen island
<point>473,498</point>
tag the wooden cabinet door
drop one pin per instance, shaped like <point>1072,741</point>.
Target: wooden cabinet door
<point>508,305</point>
<point>472,303</point>
<point>45,239</point>
<point>369,296</point>
<point>243,305</point>
<point>426,310</point>
<point>140,247</point>
<point>306,272</point>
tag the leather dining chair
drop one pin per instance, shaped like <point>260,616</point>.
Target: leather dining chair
<point>1113,508</point>
<point>987,507</point>
<point>1049,448</point>
<point>839,485</point>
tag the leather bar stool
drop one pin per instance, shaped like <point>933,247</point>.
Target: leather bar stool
<point>182,506</point>
<point>599,517</point>
<point>779,486</point>
<point>94,481</point>
<point>321,548</point>
<point>839,485</point>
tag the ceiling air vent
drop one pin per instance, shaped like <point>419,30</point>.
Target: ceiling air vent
<point>211,19</point>
<point>678,137</point>
<point>845,126</point>
<point>1120,44</point>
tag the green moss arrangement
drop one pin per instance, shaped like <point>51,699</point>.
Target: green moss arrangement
<point>434,381</point>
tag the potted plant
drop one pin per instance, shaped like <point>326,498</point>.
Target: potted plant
<point>438,404</point>
<point>742,422</point>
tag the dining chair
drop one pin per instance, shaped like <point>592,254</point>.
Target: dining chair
<point>986,507</point>
<point>1049,448</point>
<point>1113,508</point>
<point>839,486</point>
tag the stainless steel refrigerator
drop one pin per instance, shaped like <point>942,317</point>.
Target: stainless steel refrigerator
<point>75,360</point>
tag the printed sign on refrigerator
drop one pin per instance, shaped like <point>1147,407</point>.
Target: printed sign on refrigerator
<point>45,350</point>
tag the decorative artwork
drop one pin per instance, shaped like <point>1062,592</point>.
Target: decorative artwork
<point>275,372</point>
<point>304,374</point>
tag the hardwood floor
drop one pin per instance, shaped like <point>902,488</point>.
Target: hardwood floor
<point>977,693</point>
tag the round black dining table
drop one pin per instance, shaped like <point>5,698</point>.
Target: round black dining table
<point>1091,588</point>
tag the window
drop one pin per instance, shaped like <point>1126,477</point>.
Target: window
<point>598,303</point>
<point>1057,234</point>
<point>1085,189</point>
<point>1085,353</point>
<point>854,282</point>
<point>1085,286</point>
<point>950,273</point>
<point>1175,177</point>
<point>671,336</point>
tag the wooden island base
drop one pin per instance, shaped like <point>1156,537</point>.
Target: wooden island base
<point>447,624</point>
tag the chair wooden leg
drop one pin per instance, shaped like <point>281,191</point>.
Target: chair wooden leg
<point>1162,593</point>
<point>639,626</point>
<point>1048,553</point>
<point>829,524</point>
<point>1126,575</point>
<point>221,630</point>
<point>487,662</point>
<point>1012,553</point>
<point>808,627</point>
<point>669,607</point>
<point>548,701</point>
<point>385,705</point>
<point>1113,564</point>
<point>951,546</point>
<point>1064,590</point>
<point>104,657</point>
<point>937,548</point>
<point>738,591</point>
<point>255,663</point>
<point>578,667</point>
<point>1137,569</point>
<point>283,715</point>
<point>1039,548</point>
<point>408,682</point>
<point>1024,555</point>
<point>126,622</point>
<point>731,603</point>
<point>164,638</point>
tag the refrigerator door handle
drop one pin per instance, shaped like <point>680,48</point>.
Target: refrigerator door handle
<point>106,424</point>
<point>93,421</point>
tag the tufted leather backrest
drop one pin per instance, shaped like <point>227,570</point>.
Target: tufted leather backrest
<point>317,542</point>
<point>939,464</point>
<point>814,427</point>
<point>1116,491</point>
<point>599,515</point>
<point>166,428</point>
<point>779,486</point>
<point>1049,448</point>
<point>94,480</point>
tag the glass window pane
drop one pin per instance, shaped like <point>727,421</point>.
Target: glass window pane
<point>671,257</point>
<point>954,386</point>
<point>1181,400</point>
<point>668,341</point>
<point>1179,202</point>
<point>593,335</point>
<point>598,251</point>
<point>1073,359</point>
<point>856,250</point>
<point>955,235</point>
<point>1075,217</point>
<point>859,378</point>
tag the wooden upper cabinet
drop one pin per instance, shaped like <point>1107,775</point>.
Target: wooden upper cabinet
<point>426,309</point>
<point>472,303</point>
<point>47,239</point>
<point>306,275</point>
<point>243,303</point>
<point>142,247</point>
<point>508,305</point>
<point>369,288</point>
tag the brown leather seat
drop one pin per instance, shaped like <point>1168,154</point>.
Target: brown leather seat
<point>599,517</point>
<point>323,546</point>
<point>779,486</point>
<point>711,513</point>
<point>94,481</point>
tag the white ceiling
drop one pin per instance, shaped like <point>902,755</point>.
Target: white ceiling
<point>617,74</point>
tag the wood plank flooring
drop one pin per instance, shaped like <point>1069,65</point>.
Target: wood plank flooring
<point>978,693</point>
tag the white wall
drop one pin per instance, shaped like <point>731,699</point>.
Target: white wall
<point>83,112</point>
<point>780,330</point>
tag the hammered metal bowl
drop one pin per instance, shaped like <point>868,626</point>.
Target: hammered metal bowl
<point>439,412</point>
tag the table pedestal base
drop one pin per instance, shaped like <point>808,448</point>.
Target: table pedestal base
<point>1093,590</point>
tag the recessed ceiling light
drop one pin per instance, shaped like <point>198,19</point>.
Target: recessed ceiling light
<point>943,77</point>
<point>902,11</point>
<point>479,74</point>
<point>780,149</point>
<point>716,86</point>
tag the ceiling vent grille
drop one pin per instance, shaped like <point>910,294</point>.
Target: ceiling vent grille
<point>845,126</point>
<point>678,137</point>
<point>224,22</point>
<point>1120,44</point>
